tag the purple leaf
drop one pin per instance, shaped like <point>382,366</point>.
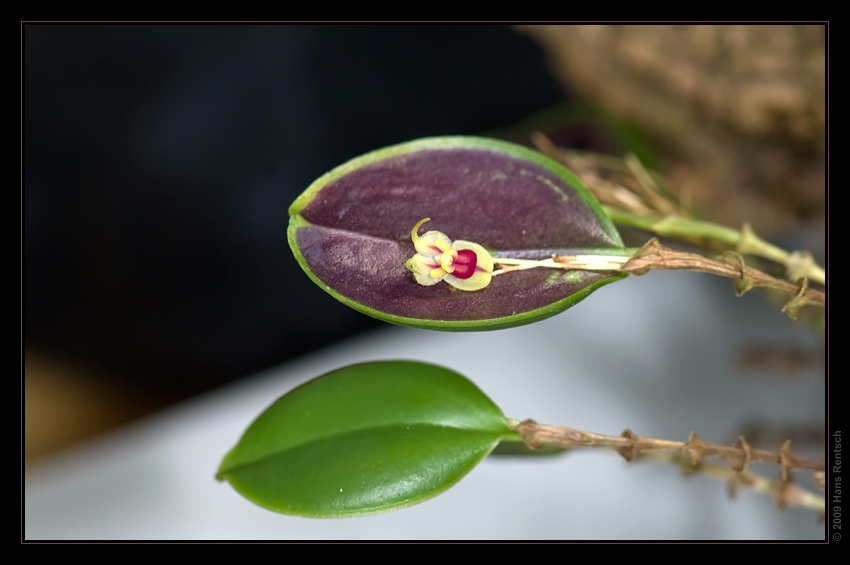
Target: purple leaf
<point>350,231</point>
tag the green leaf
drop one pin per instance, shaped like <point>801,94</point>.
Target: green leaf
<point>365,439</point>
<point>350,231</point>
<point>520,449</point>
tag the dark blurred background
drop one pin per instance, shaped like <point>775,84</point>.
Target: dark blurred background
<point>159,163</point>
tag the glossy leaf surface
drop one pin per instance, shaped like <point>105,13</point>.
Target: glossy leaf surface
<point>350,231</point>
<point>365,439</point>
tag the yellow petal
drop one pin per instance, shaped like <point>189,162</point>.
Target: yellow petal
<point>447,260</point>
<point>430,244</point>
<point>476,282</point>
<point>444,247</point>
<point>422,268</point>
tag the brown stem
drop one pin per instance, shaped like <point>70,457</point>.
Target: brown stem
<point>689,456</point>
<point>630,446</point>
<point>643,205</point>
<point>654,255</point>
<point>785,492</point>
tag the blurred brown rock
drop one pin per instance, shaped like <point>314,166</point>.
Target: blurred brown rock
<point>739,111</point>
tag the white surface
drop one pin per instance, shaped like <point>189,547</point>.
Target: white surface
<point>656,354</point>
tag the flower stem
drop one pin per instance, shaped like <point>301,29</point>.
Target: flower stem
<point>653,255</point>
<point>583,262</point>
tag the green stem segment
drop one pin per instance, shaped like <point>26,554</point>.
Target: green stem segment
<point>798,264</point>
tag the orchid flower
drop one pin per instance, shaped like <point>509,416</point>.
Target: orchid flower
<point>462,264</point>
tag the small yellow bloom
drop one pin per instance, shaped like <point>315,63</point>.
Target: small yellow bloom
<point>462,264</point>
